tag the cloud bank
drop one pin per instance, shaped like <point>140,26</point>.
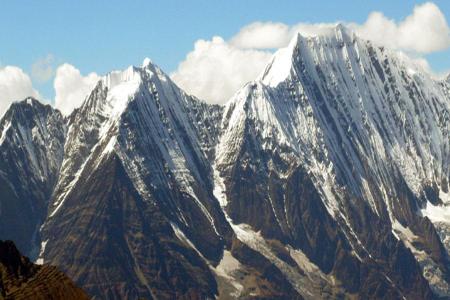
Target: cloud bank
<point>15,85</point>
<point>215,69</point>
<point>424,31</point>
<point>72,88</point>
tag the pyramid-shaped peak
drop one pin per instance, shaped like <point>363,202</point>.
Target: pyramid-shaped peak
<point>114,91</point>
<point>326,36</point>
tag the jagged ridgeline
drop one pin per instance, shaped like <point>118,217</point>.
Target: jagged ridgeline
<point>327,177</point>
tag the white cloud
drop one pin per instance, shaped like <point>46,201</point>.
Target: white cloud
<point>15,85</point>
<point>42,70</point>
<point>261,35</point>
<point>71,88</point>
<point>424,31</point>
<point>270,35</point>
<point>214,70</point>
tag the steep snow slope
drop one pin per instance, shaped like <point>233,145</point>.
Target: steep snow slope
<point>369,128</point>
<point>342,92</point>
<point>165,111</point>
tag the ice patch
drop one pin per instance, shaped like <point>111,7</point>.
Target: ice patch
<point>40,260</point>
<point>110,146</point>
<point>438,213</point>
<point>5,129</point>
<point>219,188</point>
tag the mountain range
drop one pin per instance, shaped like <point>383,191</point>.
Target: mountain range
<point>327,177</point>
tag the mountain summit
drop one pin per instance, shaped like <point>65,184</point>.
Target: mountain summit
<point>370,135</point>
<point>327,177</point>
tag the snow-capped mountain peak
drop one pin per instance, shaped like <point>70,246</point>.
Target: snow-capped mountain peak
<point>320,173</point>
<point>124,104</point>
<point>281,64</point>
<point>365,122</point>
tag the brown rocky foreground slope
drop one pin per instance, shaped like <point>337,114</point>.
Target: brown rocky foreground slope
<point>21,279</point>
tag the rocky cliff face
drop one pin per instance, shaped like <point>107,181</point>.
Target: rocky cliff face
<point>31,150</point>
<point>21,279</point>
<point>327,177</point>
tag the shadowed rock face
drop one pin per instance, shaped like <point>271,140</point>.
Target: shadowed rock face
<point>314,182</point>
<point>290,210</point>
<point>21,279</point>
<point>31,151</point>
<point>132,251</point>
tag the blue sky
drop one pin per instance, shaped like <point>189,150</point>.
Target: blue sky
<point>98,36</point>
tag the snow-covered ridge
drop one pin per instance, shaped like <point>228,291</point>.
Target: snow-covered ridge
<point>124,84</point>
<point>337,37</point>
<point>107,123</point>
<point>281,63</point>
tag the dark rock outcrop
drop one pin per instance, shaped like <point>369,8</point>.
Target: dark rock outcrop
<point>21,279</point>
